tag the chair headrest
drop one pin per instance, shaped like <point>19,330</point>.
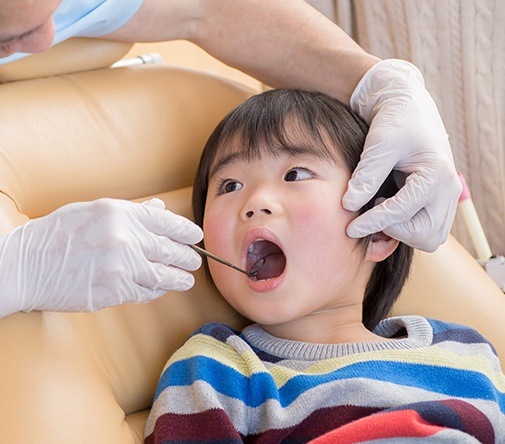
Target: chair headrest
<point>73,55</point>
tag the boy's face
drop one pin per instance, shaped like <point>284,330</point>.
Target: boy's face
<point>289,209</point>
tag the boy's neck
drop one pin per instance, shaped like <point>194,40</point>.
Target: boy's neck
<point>325,327</point>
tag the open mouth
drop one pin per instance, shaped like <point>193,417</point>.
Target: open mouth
<point>274,259</point>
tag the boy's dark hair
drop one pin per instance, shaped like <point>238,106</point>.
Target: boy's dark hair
<point>336,133</point>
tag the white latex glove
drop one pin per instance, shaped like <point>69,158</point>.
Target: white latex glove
<point>406,134</point>
<point>87,256</point>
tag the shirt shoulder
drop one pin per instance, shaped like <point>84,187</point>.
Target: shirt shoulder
<point>216,330</point>
<point>447,331</point>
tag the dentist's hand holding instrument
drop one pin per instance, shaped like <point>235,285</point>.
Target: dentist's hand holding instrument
<point>87,256</point>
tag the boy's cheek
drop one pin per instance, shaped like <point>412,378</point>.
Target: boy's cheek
<point>217,235</point>
<point>315,218</point>
<point>213,238</point>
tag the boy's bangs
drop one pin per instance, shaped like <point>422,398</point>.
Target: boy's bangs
<point>274,136</point>
<point>286,121</point>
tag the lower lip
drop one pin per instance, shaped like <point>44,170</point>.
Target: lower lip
<point>266,285</point>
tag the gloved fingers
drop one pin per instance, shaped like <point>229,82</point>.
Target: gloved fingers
<point>142,295</point>
<point>406,203</point>
<point>163,250</point>
<point>422,230</point>
<point>159,277</point>
<point>165,223</point>
<point>155,202</point>
<point>374,167</point>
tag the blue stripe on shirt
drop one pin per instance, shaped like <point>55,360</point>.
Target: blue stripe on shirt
<point>230,382</point>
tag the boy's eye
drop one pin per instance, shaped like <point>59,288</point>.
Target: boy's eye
<point>298,173</point>
<point>228,186</point>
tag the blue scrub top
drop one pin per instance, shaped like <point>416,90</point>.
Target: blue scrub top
<point>87,18</point>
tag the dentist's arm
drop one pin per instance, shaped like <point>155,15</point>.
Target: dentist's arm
<point>87,256</point>
<point>283,43</point>
<point>287,43</point>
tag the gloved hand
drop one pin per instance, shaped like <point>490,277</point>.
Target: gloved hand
<point>406,134</point>
<point>87,256</point>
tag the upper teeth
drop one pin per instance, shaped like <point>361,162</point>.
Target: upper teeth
<point>250,249</point>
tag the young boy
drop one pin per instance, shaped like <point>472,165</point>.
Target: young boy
<point>321,360</point>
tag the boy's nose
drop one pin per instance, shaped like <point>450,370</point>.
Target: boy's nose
<point>250,213</point>
<point>263,201</point>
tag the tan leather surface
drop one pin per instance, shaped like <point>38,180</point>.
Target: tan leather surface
<point>89,134</point>
<point>133,133</point>
<point>73,55</point>
<point>450,285</point>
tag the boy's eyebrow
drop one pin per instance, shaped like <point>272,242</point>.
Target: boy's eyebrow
<point>291,149</point>
<point>226,160</point>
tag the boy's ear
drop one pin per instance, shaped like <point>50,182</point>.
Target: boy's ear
<point>380,247</point>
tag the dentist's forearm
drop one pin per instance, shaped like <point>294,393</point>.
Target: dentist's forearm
<point>283,43</point>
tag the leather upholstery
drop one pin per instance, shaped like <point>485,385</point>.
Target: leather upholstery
<point>74,55</point>
<point>133,133</point>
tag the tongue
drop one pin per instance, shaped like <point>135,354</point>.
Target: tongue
<point>273,267</point>
<point>274,259</point>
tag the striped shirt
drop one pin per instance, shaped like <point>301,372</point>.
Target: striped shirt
<point>438,381</point>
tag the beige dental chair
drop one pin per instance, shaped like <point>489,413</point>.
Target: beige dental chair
<point>133,133</point>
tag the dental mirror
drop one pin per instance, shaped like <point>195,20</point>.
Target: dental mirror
<point>256,267</point>
<point>253,271</point>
